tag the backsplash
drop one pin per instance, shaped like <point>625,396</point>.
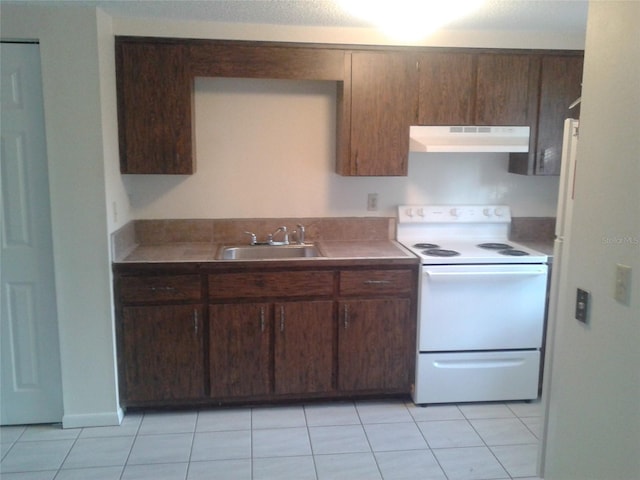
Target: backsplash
<point>533,228</point>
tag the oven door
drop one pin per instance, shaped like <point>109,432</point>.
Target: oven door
<point>481,307</point>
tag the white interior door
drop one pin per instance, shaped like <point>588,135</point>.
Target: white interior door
<point>31,381</point>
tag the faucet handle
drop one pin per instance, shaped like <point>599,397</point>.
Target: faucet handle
<point>300,234</point>
<point>254,240</point>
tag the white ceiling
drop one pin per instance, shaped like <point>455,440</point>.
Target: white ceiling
<point>498,15</point>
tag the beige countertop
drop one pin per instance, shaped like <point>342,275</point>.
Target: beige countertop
<point>366,239</point>
<point>544,246</point>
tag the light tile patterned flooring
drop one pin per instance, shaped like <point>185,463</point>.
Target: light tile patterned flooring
<point>364,440</point>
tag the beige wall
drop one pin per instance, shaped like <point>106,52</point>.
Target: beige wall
<point>594,430</point>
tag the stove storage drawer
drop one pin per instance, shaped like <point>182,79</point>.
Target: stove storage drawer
<point>476,376</point>
<point>376,282</point>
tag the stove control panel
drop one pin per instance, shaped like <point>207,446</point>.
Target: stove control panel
<point>454,214</point>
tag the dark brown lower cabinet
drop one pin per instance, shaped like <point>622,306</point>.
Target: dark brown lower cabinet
<point>375,345</point>
<point>304,333</point>
<point>187,339</point>
<point>163,354</point>
<point>240,349</point>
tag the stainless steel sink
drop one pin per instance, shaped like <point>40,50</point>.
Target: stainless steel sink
<point>269,252</point>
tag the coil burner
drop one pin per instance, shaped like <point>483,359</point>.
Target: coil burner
<point>440,252</point>
<point>495,246</point>
<point>426,245</point>
<point>512,252</point>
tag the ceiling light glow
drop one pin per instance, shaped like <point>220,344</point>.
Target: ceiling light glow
<point>410,19</point>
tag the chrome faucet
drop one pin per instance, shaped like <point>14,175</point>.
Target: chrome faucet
<point>285,239</point>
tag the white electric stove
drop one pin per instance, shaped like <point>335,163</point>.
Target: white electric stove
<point>480,307</point>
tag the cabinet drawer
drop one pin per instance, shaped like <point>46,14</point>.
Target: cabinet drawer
<point>375,282</point>
<point>165,287</point>
<point>270,284</point>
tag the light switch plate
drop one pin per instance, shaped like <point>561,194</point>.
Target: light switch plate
<point>372,202</point>
<point>622,292</point>
<point>582,305</point>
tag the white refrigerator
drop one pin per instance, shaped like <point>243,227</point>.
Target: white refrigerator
<point>560,259</point>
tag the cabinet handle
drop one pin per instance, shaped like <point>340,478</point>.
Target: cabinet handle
<point>542,161</point>
<point>195,321</point>
<point>162,289</point>
<point>346,317</point>
<point>262,319</point>
<point>377,282</point>
<point>281,318</point>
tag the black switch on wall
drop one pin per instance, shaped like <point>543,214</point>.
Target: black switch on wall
<point>582,305</point>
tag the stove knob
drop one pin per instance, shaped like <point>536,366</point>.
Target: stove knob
<point>409,213</point>
<point>454,212</point>
<point>421,212</point>
<point>486,212</point>
<point>498,212</point>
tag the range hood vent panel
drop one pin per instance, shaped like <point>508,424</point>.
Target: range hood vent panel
<point>469,139</point>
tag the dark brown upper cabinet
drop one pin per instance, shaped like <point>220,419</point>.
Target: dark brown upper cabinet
<point>446,88</point>
<point>381,92</point>
<point>560,86</point>
<point>156,90</point>
<point>476,89</point>
<point>255,60</point>
<point>377,104</point>
<point>506,89</point>
<point>155,113</point>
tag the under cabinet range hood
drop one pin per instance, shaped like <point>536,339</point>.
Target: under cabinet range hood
<point>468,139</point>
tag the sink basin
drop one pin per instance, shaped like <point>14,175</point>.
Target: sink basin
<point>269,252</point>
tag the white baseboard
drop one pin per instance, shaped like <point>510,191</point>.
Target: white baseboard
<point>104,419</point>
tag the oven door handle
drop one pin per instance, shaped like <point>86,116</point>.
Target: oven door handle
<point>485,274</point>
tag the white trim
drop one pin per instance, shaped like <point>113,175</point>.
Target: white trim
<point>104,419</point>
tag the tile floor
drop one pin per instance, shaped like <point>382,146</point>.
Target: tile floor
<point>364,440</point>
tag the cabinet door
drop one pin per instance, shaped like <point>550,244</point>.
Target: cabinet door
<point>163,353</point>
<point>383,106</point>
<point>240,349</point>
<point>446,89</point>
<point>506,89</point>
<point>154,108</point>
<point>304,347</point>
<point>375,347</point>
<point>560,85</point>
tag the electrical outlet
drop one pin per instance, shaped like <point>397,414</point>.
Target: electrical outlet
<point>582,305</point>
<point>622,292</point>
<point>372,202</point>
